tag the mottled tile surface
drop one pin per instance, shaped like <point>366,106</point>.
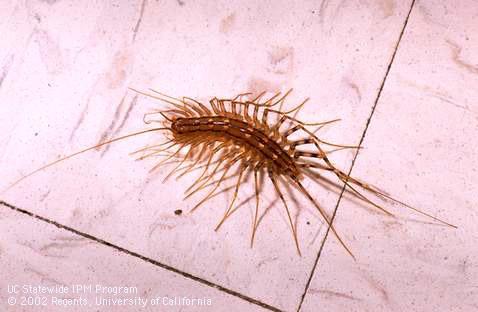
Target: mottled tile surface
<point>51,269</point>
<point>421,145</point>
<point>65,69</point>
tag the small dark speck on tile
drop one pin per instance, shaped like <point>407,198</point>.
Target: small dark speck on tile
<point>308,223</point>
<point>178,212</point>
<point>36,133</point>
<point>49,84</point>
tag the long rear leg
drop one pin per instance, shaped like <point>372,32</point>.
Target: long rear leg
<point>346,179</point>
<point>341,175</point>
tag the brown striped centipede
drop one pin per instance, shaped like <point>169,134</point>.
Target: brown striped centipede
<point>225,134</point>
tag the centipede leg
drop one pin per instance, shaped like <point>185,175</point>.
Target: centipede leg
<point>213,173</point>
<point>206,167</point>
<point>189,192</point>
<point>281,196</point>
<point>208,196</point>
<point>154,146</point>
<point>325,124</point>
<point>155,152</point>
<point>165,98</point>
<point>206,110</point>
<point>346,179</point>
<point>325,216</point>
<point>168,158</point>
<point>277,101</point>
<point>182,145</point>
<point>181,162</point>
<point>214,107</point>
<point>215,181</point>
<point>256,213</point>
<point>236,190</point>
<point>341,175</point>
<point>190,169</point>
<point>193,165</point>
<point>298,108</point>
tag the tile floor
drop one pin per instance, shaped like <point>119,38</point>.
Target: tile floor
<point>402,76</point>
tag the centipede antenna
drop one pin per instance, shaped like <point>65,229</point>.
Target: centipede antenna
<point>81,152</point>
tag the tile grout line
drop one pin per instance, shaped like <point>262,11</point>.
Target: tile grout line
<point>356,154</point>
<point>146,259</point>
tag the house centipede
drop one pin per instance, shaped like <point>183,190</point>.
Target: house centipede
<point>226,134</point>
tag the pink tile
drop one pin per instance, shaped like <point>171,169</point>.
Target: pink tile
<point>36,256</point>
<point>421,147</point>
